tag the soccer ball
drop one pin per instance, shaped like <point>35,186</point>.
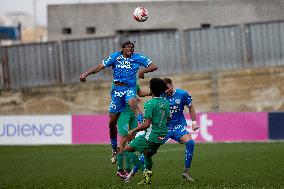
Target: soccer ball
<point>140,14</point>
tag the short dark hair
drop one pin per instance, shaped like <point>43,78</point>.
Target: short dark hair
<point>168,81</point>
<point>157,86</point>
<point>127,43</point>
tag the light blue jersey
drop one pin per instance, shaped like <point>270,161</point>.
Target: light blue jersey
<point>125,69</point>
<point>177,123</point>
<point>178,101</point>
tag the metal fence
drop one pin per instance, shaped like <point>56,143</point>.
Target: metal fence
<point>265,43</point>
<point>212,49</point>
<point>31,65</point>
<point>81,55</point>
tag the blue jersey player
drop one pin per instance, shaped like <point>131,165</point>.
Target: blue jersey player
<point>125,65</point>
<point>178,99</point>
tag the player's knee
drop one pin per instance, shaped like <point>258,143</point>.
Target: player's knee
<point>113,117</point>
<point>112,126</point>
<point>112,131</point>
<point>112,123</point>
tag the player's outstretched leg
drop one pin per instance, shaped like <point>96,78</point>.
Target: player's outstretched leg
<point>128,162</point>
<point>135,168</point>
<point>113,135</point>
<point>137,165</point>
<point>120,171</point>
<point>189,148</point>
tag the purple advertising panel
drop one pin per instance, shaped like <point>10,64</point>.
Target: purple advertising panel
<point>90,129</point>
<point>230,127</point>
<point>214,127</point>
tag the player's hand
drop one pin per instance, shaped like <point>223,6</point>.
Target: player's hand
<point>83,77</point>
<point>138,100</point>
<point>130,133</point>
<point>141,74</point>
<point>129,138</point>
<point>195,126</point>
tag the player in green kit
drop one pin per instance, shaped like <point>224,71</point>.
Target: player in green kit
<point>127,121</point>
<point>157,112</point>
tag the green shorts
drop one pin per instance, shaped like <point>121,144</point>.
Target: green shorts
<point>126,122</point>
<point>141,144</point>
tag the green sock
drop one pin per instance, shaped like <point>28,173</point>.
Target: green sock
<point>135,160</point>
<point>120,157</point>
<point>148,163</point>
<point>128,162</point>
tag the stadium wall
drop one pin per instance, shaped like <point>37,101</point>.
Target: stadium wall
<point>107,19</point>
<point>93,129</point>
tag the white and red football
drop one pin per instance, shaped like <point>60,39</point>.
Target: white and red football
<point>140,14</point>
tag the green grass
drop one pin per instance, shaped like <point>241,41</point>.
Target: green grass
<point>233,165</point>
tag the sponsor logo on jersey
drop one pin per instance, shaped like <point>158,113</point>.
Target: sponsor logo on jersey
<point>123,63</point>
<point>177,101</point>
<point>174,109</point>
<point>122,93</point>
<point>119,93</point>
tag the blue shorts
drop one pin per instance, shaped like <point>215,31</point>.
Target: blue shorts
<point>120,96</point>
<point>176,133</point>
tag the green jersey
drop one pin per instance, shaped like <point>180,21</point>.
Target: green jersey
<point>158,110</point>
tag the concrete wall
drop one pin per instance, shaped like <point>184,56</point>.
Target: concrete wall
<point>259,89</point>
<point>108,18</point>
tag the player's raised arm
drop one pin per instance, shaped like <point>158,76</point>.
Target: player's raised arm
<point>93,70</point>
<point>151,68</point>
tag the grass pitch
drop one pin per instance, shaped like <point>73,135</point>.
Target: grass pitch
<point>233,165</point>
